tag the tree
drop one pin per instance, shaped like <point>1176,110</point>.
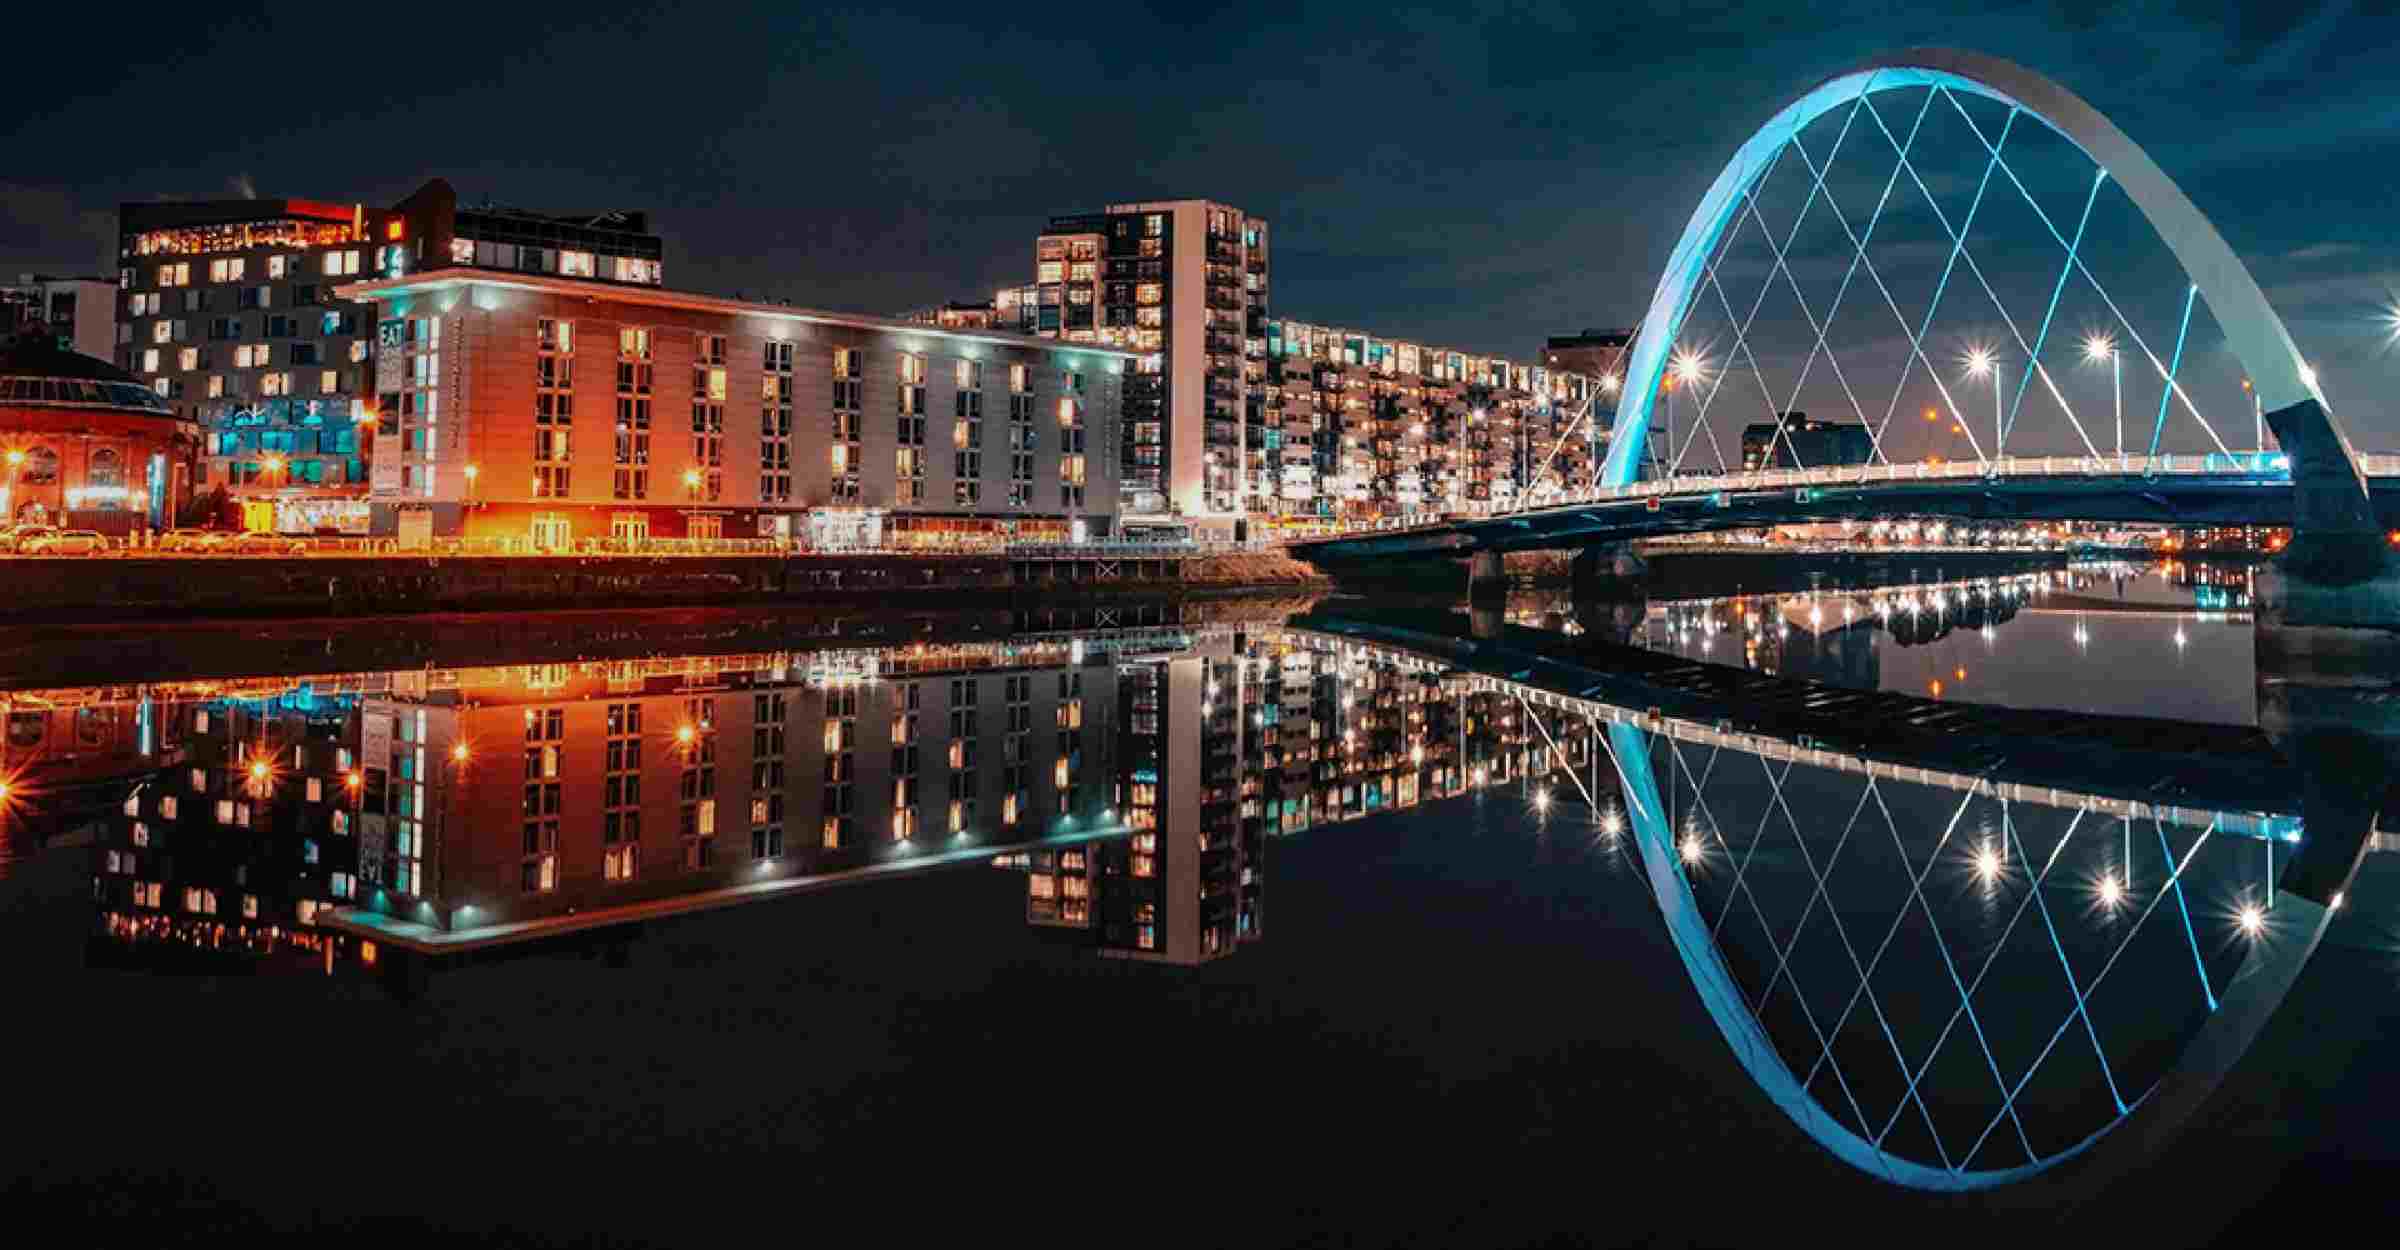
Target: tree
<point>204,508</point>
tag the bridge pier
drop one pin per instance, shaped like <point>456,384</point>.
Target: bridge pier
<point>2334,594</point>
<point>1487,576</point>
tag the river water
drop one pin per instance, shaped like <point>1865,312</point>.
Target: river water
<point>1334,920</point>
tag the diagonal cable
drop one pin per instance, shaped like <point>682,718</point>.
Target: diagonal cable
<point>2175,884</point>
<point>2163,372</point>
<point>2033,361</point>
<point>2008,832</point>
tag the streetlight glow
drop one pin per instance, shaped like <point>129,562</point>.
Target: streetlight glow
<point>1689,368</point>
<point>2252,920</point>
<point>2099,347</point>
<point>1979,362</point>
<point>1692,849</point>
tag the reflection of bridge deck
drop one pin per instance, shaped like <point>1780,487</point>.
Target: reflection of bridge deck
<point>2177,773</point>
<point>2254,489</point>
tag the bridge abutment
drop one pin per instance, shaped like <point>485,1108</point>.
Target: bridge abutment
<point>2334,594</point>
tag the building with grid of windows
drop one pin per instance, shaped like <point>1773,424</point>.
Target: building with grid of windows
<point>78,314</point>
<point>228,310</point>
<point>551,410</point>
<point>1359,427</point>
<point>1184,284</point>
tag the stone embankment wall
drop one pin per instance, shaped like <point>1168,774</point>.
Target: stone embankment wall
<point>110,588</point>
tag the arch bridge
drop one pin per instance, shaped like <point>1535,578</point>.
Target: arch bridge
<point>2036,455</point>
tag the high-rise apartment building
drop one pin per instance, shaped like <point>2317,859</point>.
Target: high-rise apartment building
<point>76,314</point>
<point>228,310</point>
<point>1358,427</point>
<point>1183,283</point>
<point>550,410</point>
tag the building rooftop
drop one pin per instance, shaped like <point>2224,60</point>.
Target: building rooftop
<point>35,371</point>
<point>437,281</point>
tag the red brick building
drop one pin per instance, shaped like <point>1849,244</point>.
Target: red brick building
<point>84,444</point>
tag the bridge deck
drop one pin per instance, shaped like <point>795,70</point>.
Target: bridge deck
<point>2253,488</point>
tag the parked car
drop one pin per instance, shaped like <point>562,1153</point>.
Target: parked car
<point>194,540</point>
<point>266,543</point>
<point>15,537</point>
<point>64,543</point>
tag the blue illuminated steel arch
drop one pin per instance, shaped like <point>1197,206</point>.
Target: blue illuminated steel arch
<point>2252,329</point>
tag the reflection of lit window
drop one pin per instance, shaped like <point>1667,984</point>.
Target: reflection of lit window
<point>1145,866</point>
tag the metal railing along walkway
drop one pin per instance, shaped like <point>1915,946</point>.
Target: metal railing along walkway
<point>2130,466</point>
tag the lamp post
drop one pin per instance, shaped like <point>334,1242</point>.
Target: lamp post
<point>1980,362</point>
<point>1689,368</point>
<point>2100,347</point>
<point>2257,418</point>
<point>8,489</point>
<point>472,471</point>
<point>691,497</point>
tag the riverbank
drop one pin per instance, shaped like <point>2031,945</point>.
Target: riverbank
<point>155,588</point>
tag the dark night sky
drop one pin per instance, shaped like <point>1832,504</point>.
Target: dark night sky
<point>1474,179</point>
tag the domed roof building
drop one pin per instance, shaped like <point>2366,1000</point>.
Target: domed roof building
<point>85,445</point>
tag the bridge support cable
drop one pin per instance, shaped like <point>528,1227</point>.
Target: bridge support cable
<point>1740,324</point>
<point>1741,886</point>
<point>1841,931</point>
<point>1958,246</point>
<point>1959,238</point>
<point>2175,366</point>
<point>2041,337</point>
<point>1858,255</point>
<point>2166,375</point>
<point>2008,831</point>
<point>1966,999</point>
<point>2176,884</point>
<point>1525,497</point>
<point>2183,905</point>
<point>1991,958</point>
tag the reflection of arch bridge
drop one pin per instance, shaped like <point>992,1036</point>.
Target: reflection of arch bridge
<point>1983,974</point>
<point>2317,483</point>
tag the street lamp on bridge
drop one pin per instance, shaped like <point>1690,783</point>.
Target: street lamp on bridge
<point>1688,369</point>
<point>1981,361</point>
<point>2100,347</point>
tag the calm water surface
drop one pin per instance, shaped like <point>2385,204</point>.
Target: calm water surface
<point>1359,928</point>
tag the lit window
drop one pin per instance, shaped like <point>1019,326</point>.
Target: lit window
<point>575,265</point>
<point>462,251</point>
<point>150,360</point>
<point>278,266</point>
<point>188,358</point>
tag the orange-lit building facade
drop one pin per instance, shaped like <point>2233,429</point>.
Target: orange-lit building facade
<point>85,445</point>
<point>554,412</point>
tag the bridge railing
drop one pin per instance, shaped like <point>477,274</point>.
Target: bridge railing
<point>2268,463</point>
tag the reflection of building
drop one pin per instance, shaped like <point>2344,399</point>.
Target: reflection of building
<point>1360,427</point>
<point>1804,444</point>
<point>245,832</point>
<point>1184,283</point>
<point>550,411</point>
<point>78,314</point>
<point>86,445</point>
<point>527,792</point>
